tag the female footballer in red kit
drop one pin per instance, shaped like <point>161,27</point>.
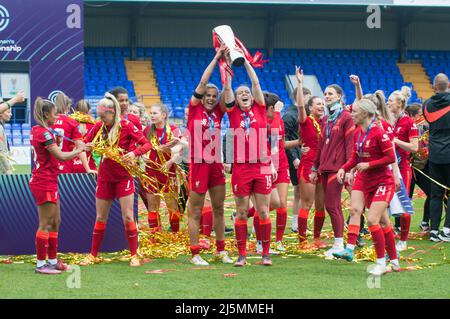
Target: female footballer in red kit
<point>372,154</point>
<point>206,172</point>
<point>46,155</point>
<point>113,180</point>
<point>252,169</point>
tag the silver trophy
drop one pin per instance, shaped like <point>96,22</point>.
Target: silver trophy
<point>225,35</point>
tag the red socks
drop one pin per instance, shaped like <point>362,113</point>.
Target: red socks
<point>352,234</point>
<point>220,244</point>
<point>378,240</point>
<point>256,225</point>
<point>302,224</point>
<point>265,230</point>
<point>390,242</point>
<point>281,223</point>
<point>195,249</point>
<point>207,221</point>
<point>319,218</point>
<point>97,237</point>
<point>405,223</point>
<point>52,245</point>
<point>132,237</point>
<point>153,221</point>
<point>175,221</point>
<point>240,227</point>
<point>41,245</point>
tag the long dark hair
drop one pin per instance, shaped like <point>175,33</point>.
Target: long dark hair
<point>310,104</point>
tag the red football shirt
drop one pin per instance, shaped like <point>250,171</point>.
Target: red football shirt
<point>387,127</point>
<point>310,138</point>
<point>405,129</point>
<point>45,172</point>
<point>136,121</point>
<point>162,139</point>
<point>371,147</point>
<point>67,127</point>
<point>76,162</point>
<point>133,119</point>
<point>109,170</point>
<point>279,158</point>
<point>204,129</point>
<point>250,134</point>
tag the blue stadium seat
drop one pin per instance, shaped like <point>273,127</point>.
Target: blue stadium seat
<point>377,69</point>
<point>17,140</point>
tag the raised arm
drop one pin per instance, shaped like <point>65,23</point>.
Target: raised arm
<point>358,88</point>
<point>256,87</point>
<point>300,101</point>
<point>227,98</point>
<point>200,90</point>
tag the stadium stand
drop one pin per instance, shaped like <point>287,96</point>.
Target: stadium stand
<point>175,72</point>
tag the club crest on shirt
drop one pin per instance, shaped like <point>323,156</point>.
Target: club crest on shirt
<point>385,138</point>
<point>368,143</point>
<point>398,129</point>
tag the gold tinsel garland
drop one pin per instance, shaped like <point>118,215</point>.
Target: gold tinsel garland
<point>82,118</point>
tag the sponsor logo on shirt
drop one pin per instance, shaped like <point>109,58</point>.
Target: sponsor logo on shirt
<point>47,136</point>
<point>385,138</point>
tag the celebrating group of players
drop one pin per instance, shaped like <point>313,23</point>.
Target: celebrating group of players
<point>364,147</point>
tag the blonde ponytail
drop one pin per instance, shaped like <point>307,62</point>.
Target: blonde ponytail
<point>62,103</point>
<point>368,106</point>
<point>110,102</point>
<point>379,99</point>
<point>402,96</point>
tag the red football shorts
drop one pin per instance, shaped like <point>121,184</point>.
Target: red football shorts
<point>41,197</point>
<point>303,171</point>
<point>384,193</point>
<point>112,190</point>
<point>283,177</point>
<point>203,176</point>
<point>251,178</point>
<point>358,183</point>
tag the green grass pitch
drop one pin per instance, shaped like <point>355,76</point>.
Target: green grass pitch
<point>304,276</point>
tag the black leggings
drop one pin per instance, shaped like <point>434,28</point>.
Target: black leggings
<point>183,193</point>
<point>440,173</point>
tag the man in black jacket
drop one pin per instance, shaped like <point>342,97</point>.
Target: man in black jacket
<point>437,112</point>
<point>291,127</point>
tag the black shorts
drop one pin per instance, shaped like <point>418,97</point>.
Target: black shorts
<point>293,175</point>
